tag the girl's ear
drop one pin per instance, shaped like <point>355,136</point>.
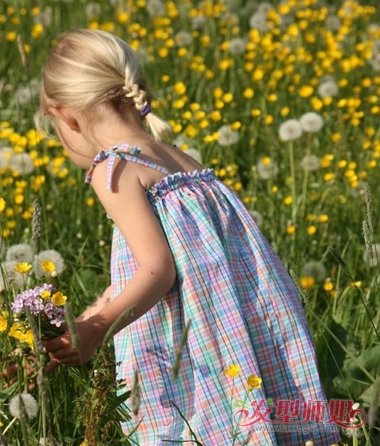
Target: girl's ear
<point>67,116</point>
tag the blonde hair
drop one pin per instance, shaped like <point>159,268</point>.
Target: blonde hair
<point>88,67</point>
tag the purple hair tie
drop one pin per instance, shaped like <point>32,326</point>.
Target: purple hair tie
<point>145,110</point>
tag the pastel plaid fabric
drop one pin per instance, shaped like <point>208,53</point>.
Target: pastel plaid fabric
<point>244,309</point>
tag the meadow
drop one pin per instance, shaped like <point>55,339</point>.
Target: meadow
<point>282,99</point>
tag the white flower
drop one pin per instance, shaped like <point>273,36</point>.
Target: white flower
<point>259,21</point>
<point>47,442</point>
<point>310,163</point>
<point>23,95</point>
<point>264,7</point>
<point>290,130</point>
<point>44,17</point>
<point>315,269</point>
<point>194,153</point>
<point>23,403</point>
<point>198,22</point>
<point>257,217</point>
<point>183,38</point>
<point>227,136</point>
<point>93,10</point>
<point>21,252</point>
<point>237,46</point>
<point>311,122</point>
<point>333,23</point>
<point>49,255</point>
<point>376,47</point>
<point>155,8</point>
<point>375,64</point>
<point>22,163</point>
<point>375,260</point>
<point>9,275</point>
<point>6,154</point>
<point>328,88</point>
<point>267,170</point>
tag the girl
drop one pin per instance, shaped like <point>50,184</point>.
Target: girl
<point>186,253</point>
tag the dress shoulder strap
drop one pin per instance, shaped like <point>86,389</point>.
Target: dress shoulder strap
<point>124,152</point>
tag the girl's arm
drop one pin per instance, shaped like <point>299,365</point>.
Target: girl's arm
<point>131,211</point>
<point>95,307</point>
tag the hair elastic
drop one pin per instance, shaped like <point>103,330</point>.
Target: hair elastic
<point>145,110</point>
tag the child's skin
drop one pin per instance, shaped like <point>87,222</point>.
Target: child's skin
<point>130,210</point>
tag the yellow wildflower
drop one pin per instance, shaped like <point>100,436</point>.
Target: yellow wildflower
<point>23,267</point>
<point>48,266</point>
<point>59,299</point>
<point>232,370</point>
<point>45,294</point>
<point>253,382</point>
<point>2,204</point>
<point>3,323</point>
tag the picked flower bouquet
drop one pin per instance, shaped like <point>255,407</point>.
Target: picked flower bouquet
<point>46,305</point>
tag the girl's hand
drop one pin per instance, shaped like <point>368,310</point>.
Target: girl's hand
<point>62,351</point>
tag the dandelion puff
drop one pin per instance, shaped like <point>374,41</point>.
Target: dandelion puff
<point>198,22</point>
<point>48,262</point>
<point>290,130</point>
<point>183,38</point>
<point>267,170</point>
<point>264,7</point>
<point>310,163</point>
<point>23,403</point>
<point>333,23</point>
<point>315,269</point>
<point>259,21</point>
<point>6,154</point>
<point>155,8</point>
<point>22,163</point>
<point>311,122</point>
<point>10,276</point>
<point>328,88</point>
<point>227,136</point>
<point>21,252</point>
<point>93,10</point>
<point>237,46</point>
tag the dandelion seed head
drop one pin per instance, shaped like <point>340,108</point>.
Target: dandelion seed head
<point>237,46</point>
<point>10,276</point>
<point>267,171</point>
<point>333,23</point>
<point>227,136</point>
<point>290,130</point>
<point>21,252</point>
<point>23,402</point>
<point>310,163</point>
<point>6,154</point>
<point>183,38</point>
<point>50,255</point>
<point>311,122</point>
<point>259,21</point>
<point>22,164</point>
<point>315,269</point>
<point>328,88</point>
<point>155,8</point>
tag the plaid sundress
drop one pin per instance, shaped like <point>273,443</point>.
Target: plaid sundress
<point>244,310</point>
